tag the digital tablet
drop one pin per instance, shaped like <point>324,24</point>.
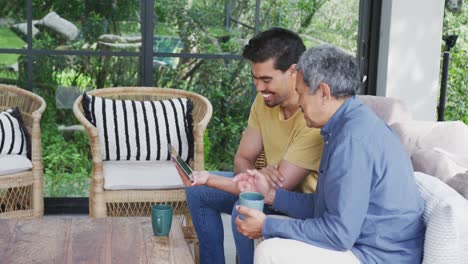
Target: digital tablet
<point>182,164</point>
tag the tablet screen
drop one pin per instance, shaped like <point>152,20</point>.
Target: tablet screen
<point>176,158</point>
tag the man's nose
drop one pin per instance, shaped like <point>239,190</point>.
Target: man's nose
<point>260,86</point>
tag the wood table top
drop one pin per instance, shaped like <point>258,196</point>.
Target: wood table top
<point>90,240</point>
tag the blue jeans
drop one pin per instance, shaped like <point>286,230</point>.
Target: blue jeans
<point>206,205</point>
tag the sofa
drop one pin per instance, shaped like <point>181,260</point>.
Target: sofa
<point>439,154</point>
<point>439,149</point>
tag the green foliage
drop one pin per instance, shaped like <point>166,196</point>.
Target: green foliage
<point>457,88</point>
<point>9,40</point>
<point>66,159</point>
<point>197,26</point>
<point>228,92</point>
<point>14,9</point>
<point>317,21</point>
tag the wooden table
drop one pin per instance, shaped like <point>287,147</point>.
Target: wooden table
<point>85,240</point>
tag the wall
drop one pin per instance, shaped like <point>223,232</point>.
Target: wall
<point>409,54</point>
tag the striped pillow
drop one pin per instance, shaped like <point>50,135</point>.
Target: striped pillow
<point>141,130</point>
<point>14,138</point>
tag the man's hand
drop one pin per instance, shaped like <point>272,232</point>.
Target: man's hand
<point>255,181</point>
<point>273,175</point>
<point>182,176</point>
<point>251,226</point>
<point>200,178</point>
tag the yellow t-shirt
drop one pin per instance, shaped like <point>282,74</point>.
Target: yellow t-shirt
<point>289,139</point>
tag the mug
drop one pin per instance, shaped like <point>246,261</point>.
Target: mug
<point>161,219</point>
<point>253,200</point>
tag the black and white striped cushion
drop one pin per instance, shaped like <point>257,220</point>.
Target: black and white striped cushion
<point>14,138</point>
<point>141,130</point>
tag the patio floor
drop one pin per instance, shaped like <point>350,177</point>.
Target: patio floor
<point>229,246</point>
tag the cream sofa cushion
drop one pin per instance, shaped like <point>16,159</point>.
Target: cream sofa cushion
<point>445,215</point>
<point>459,182</point>
<point>11,164</point>
<point>140,175</point>
<point>390,110</point>
<point>437,162</point>
<point>450,136</point>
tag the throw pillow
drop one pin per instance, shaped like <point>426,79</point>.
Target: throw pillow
<point>445,215</point>
<point>14,138</point>
<point>436,162</point>
<point>141,130</point>
<point>459,183</point>
<point>390,110</point>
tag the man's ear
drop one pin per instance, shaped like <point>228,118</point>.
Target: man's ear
<point>292,70</point>
<point>325,91</point>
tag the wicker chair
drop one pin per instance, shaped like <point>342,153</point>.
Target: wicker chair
<point>21,194</point>
<point>104,203</point>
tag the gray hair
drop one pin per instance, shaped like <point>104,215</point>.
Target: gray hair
<point>330,65</point>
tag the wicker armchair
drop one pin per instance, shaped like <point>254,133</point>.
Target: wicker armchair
<point>21,194</point>
<point>104,203</point>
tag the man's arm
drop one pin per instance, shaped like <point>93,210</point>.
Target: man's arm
<point>222,183</point>
<point>346,191</point>
<point>249,149</point>
<point>302,156</point>
<point>285,175</point>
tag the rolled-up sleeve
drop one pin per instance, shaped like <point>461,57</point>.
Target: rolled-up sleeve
<point>345,190</point>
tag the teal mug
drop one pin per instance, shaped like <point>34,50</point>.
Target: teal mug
<point>253,200</point>
<point>161,219</point>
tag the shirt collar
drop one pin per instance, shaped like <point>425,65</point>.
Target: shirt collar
<point>335,122</point>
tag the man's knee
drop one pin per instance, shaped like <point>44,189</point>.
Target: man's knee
<point>264,252</point>
<point>194,194</point>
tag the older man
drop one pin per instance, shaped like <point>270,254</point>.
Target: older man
<point>366,208</point>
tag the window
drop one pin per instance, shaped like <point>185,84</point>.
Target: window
<point>59,49</point>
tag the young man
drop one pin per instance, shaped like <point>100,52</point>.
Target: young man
<point>367,208</point>
<point>276,126</point>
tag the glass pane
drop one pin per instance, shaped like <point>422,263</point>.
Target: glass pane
<point>87,25</point>
<point>13,35</point>
<point>13,28</point>
<point>333,21</point>
<point>228,86</point>
<point>13,69</point>
<point>202,26</point>
<point>65,149</point>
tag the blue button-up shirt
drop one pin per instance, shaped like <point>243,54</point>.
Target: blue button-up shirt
<point>366,200</point>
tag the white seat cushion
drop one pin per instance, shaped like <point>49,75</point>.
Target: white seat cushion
<point>445,215</point>
<point>138,175</point>
<point>10,164</point>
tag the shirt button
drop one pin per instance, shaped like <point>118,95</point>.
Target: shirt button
<point>326,142</point>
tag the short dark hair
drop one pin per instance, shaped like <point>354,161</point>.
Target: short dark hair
<point>281,44</point>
